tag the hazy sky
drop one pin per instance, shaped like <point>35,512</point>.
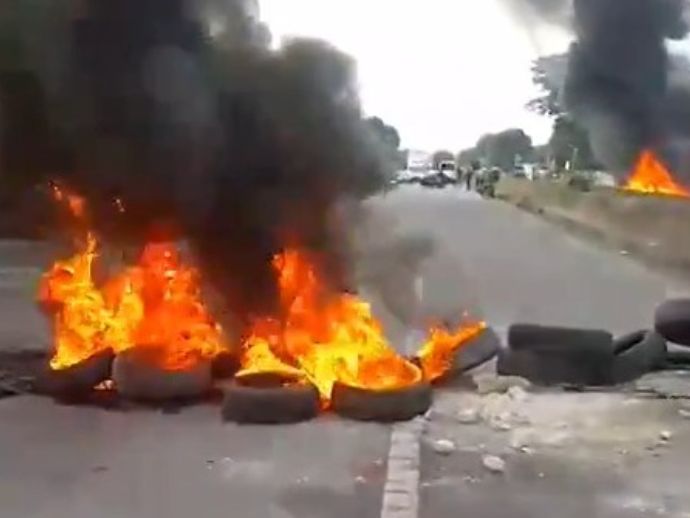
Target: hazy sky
<point>442,71</point>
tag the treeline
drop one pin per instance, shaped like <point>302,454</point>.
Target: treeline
<point>567,148</point>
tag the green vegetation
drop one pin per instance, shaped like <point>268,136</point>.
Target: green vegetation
<point>504,150</point>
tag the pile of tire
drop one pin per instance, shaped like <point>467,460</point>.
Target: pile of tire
<point>548,355</point>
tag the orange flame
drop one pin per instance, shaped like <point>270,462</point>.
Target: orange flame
<point>335,337</point>
<point>156,305</point>
<point>436,355</point>
<point>652,177</point>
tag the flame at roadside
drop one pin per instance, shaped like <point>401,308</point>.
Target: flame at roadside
<point>651,176</point>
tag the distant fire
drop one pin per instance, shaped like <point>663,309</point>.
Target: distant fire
<point>317,336</point>
<point>652,177</point>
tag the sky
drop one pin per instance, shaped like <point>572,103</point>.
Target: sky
<point>443,72</point>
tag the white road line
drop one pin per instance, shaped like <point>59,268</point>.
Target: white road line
<point>401,492</point>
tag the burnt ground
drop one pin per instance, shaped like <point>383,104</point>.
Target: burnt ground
<point>597,454</point>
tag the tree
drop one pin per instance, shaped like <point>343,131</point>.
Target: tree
<point>442,155</point>
<point>549,74</point>
<point>569,144</point>
<point>503,149</point>
<point>509,147</point>
<point>467,157</point>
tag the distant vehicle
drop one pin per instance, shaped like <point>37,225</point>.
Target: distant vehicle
<point>437,180</point>
<point>520,171</point>
<point>408,177</point>
<point>419,161</point>
<point>449,170</point>
<point>602,179</point>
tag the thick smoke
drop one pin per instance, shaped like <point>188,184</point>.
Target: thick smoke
<point>617,82</point>
<point>620,82</point>
<point>182,111</point>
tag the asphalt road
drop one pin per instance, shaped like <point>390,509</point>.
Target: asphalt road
<point>489,258</point>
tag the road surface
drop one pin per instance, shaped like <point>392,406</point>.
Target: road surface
<point>70,462</point>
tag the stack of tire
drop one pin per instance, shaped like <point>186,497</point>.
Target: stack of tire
<point>549,355</point>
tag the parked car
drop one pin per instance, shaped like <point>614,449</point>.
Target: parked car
<point>437,180</point>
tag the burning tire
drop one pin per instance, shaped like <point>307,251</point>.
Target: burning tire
<point>140,380</point>
<point>672,321</point>
<point>76,381</point>
<point>478,351</point>
<point>400,404</point>
<point>269,399</point>
<point>637,354</point>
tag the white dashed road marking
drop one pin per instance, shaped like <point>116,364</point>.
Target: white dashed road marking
<point>401,492</point>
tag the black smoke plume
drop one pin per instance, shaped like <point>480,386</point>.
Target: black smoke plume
<point>619,81</point>
<point>183,111</point>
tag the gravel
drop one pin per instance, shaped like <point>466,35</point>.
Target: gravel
<point>468,416</point>
<point>494,464</point>
<point>444,447</point>
<point>490,384</point>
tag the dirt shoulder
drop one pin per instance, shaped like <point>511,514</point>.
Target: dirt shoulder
<point>653,229</point>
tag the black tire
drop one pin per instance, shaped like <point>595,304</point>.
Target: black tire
<point>283,404</point>
<point>672,321</point>
<point>637,354</point>
<point>77,381</point>
<point>544,338</point>
<point>479,350</point>
<point>394,405</point>
<point>138,380</point>
<point>558,355</point>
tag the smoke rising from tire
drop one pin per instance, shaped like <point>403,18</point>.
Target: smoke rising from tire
<point>185,112</point>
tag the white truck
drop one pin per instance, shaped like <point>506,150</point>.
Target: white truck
<point>419,161</point>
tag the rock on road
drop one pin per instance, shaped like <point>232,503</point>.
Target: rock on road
<point>70,462</point>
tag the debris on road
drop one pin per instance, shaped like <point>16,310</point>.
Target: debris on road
<point>500,423</point>
<point>665,435</point>
<point>494,464</point>
<point>519,439</point>
<point>684,413</point>
<point>492,384</point>
<point>444,447</point>
<point>518,394</point>
<point>468,416</point>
